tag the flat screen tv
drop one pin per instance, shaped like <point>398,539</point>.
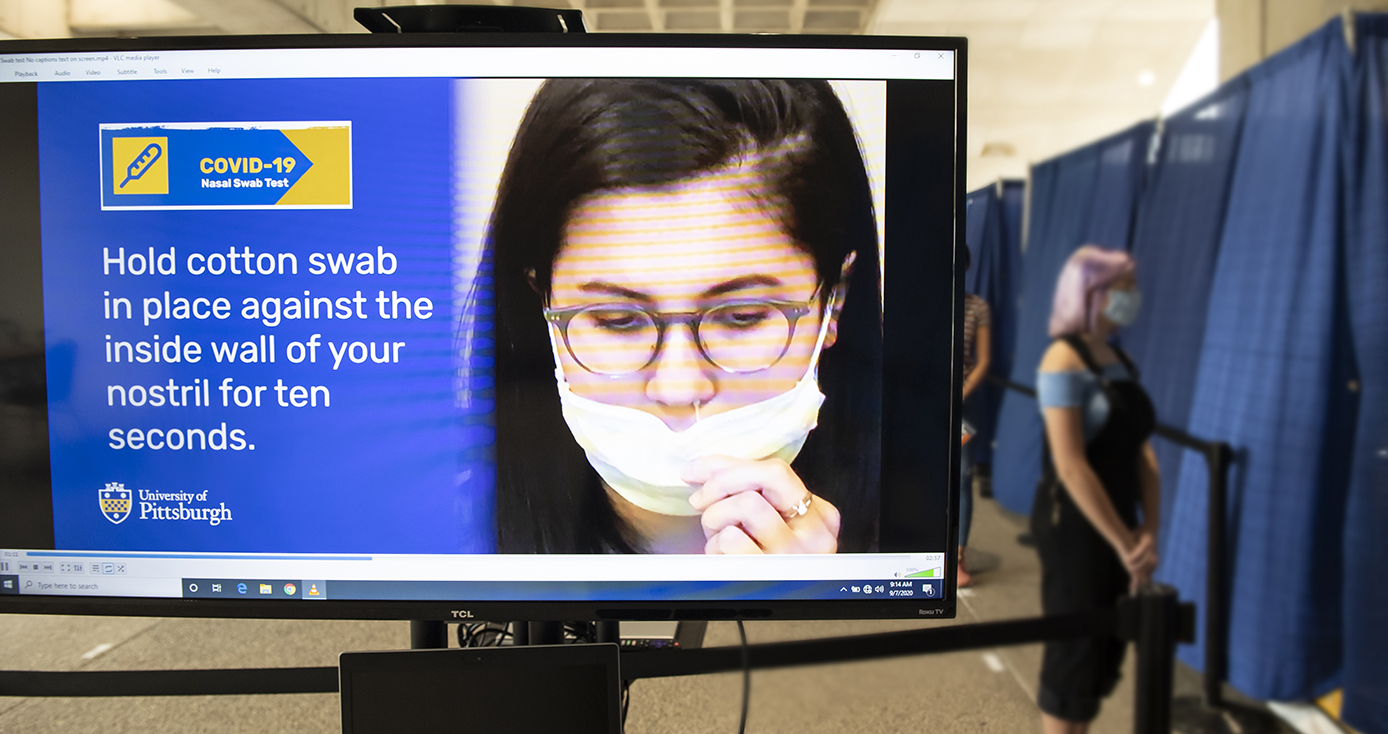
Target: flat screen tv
<point>481,326</point>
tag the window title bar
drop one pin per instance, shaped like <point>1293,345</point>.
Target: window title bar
<point>531,62</point>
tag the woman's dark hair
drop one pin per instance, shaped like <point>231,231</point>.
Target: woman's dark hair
<point>581,136</point>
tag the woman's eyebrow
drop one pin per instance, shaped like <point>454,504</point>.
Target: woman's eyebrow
<point>612,289</point>
<point>739,283</point>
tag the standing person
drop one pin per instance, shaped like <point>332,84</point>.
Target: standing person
<point>978,355</point>
<point>1085,517</point>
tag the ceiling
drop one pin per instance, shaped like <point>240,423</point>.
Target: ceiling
<point>740,16</point>
<point>1045,76</point>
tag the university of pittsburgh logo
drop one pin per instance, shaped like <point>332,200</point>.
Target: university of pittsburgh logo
<point>140,165</point>
<point>115,502</point>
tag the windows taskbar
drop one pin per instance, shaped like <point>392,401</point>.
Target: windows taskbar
<point>561,591</point>
<point>281,589</point>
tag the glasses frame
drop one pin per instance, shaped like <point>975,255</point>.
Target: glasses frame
<point>792,310</point>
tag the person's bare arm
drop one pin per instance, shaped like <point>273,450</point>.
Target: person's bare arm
<point>983,350</point>
<point>1150,477</point>
<point>1065,432</point>
<point>1142,559</point>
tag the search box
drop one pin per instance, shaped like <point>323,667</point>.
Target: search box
<point>100,586</point>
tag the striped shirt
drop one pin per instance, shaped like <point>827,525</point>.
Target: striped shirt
<point>976,314</point>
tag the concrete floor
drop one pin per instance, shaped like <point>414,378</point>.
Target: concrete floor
<point>976,691</point>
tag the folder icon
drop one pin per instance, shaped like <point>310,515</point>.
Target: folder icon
<point>266,589</point>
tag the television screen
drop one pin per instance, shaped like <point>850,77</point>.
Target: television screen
<point>499,326</point>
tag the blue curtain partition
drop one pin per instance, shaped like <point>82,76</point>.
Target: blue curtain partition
<point>1088,196</point>
<point>994,237</point>
<point>1273,380</point>
<point>1364,154</point>
<point>1175,241</point>
<point>1009,280</point>
<point>1260,226</point>
<point>980,228</point>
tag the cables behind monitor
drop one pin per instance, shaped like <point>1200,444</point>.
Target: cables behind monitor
<point>483,634</point>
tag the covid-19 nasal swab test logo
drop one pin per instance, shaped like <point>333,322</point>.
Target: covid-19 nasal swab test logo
<point>304,164</point>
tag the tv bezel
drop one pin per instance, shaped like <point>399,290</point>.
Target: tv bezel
<point>454,611</point>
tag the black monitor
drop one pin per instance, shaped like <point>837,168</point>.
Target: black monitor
<point>481,326</point>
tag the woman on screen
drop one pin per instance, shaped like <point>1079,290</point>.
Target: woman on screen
<point>684,271</point>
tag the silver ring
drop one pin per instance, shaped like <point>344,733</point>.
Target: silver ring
<point>800,509</point>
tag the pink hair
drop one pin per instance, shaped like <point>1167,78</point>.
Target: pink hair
<point>1083,282</point>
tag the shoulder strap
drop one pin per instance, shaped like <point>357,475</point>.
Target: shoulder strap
<point>1082,349</point>
<point>1127,362</point>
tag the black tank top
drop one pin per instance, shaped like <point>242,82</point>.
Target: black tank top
<point>1115,452</point>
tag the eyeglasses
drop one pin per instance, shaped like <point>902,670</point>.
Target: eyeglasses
<point>737,336</point>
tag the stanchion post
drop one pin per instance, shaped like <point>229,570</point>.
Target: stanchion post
<point>609,632</point>
<point>1157,625</point>
<point>428,634</point>
<point>546,633</point>
<point>1217,458</point>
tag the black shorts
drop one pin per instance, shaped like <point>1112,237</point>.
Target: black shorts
<point>1080,572</point>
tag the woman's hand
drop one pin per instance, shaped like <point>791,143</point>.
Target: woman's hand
<point>751,507</point>
<point>1141,559</point>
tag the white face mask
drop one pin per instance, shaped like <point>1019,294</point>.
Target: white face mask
<point>640,457</point>
<point>1123,307</point>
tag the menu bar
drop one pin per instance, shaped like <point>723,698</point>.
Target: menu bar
<point>480,62</point>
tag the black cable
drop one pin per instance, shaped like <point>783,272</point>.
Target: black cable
<point>626,703</point>
<point>746,678</point>
<point>584,632</point>
<point>482,634</point>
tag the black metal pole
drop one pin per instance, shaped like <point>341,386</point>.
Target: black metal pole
<point>546,633</point>
<point>1157,624</point>
<point>428,634</point>
<point>609,632</point>
<point>1217,457</point>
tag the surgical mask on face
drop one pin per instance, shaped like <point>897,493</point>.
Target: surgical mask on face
<point>1123,307</point>
<point>640,457</point>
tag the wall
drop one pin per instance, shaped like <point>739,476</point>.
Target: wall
<point>1252,30</point>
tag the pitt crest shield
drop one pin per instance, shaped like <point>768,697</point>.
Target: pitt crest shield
<point>115,502</point>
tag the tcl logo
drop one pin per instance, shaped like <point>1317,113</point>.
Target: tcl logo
<point>462,614</point>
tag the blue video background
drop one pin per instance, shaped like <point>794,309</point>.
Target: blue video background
<point>396,464</point>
